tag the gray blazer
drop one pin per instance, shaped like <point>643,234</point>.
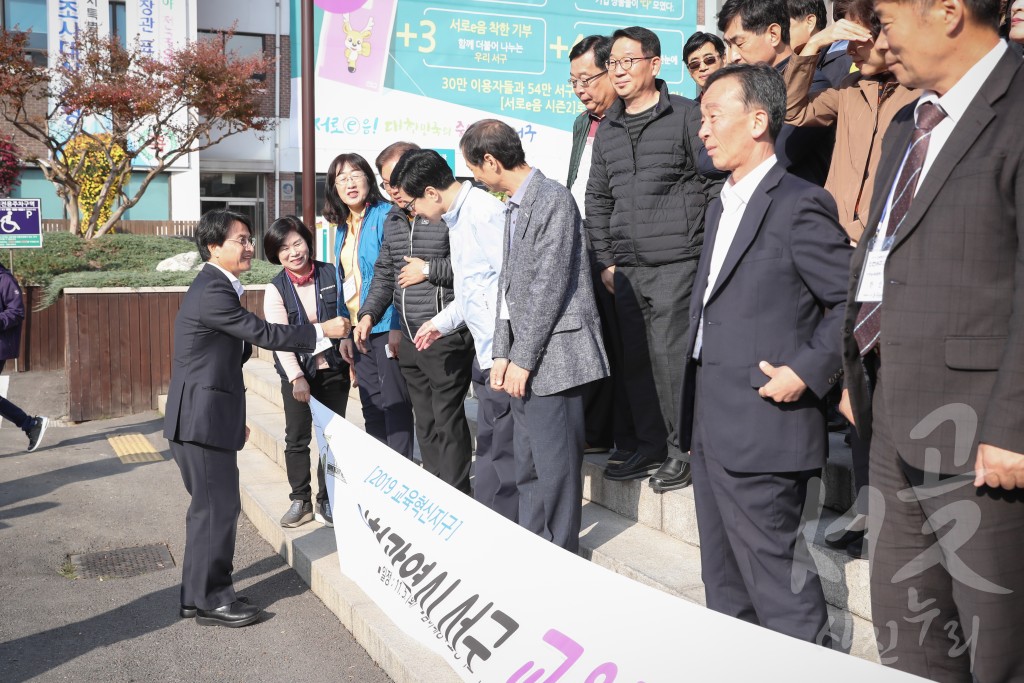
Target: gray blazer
<point>553,329</point>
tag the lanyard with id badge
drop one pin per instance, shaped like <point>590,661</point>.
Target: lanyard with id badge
<point>349,286</point>
<point>872,274</point>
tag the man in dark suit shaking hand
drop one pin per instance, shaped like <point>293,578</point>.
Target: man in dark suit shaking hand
<point>763,350</point>
<point>205,418</point>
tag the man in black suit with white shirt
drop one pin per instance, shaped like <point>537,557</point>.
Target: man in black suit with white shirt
<point>205,416</point>
<point>763,350</point>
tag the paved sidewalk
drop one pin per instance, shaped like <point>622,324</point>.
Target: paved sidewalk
<point>74,495</point>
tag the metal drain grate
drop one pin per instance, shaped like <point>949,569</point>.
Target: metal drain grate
<point>122,563</point>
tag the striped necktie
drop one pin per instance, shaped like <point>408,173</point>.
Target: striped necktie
<point>869,319</point>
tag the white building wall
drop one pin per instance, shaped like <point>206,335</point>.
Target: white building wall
<point>253,16</point>
<point>184,185</point>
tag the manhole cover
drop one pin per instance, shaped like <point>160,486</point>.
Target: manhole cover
<point>121,563</point>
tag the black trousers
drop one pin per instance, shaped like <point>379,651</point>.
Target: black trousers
<point>387,408</point>
<point>549,455</point>
<point>438,379</point>
<point>211,478</point>
<point>608,417</point>
<point>653,305</point>
<point>494,471</point>
<point>330,387</point>
<point>947,566</point>
<point>12,413</point>
<point>749,528</point>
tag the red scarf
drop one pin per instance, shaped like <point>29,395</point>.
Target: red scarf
<point>299,280</point>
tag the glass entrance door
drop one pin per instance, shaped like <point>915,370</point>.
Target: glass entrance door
<point>248,209</point>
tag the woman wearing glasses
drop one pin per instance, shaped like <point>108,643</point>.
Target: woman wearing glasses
<point>704,54</point>
<point>355,205</point>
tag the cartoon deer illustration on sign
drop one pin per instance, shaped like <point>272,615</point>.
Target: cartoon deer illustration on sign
<point>357,43</point>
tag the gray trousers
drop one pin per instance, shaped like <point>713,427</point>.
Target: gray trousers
<point>653,305</point>
<point>494,470</point>
<point>947,568</point>
<point>549,440</point>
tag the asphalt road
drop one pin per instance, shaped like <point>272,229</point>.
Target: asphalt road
<point>74,496</point>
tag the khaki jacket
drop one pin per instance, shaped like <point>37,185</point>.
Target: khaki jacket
<point>860,126</point>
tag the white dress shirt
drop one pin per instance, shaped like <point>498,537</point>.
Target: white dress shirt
<point>734,197</point>
<point>235,282</point>
<point>954,103</point>
<point>476,227</point>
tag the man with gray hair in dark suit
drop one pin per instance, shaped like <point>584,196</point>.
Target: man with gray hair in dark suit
<point>547,336</point>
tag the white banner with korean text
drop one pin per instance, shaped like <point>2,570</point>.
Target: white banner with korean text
<point>500,604</point>
<point>161,28</point>
<point>66,19</point>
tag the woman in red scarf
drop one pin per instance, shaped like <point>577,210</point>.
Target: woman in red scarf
<point>305,291</point>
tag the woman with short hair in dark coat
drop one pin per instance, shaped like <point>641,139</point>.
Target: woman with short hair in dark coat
<point>305,291</point>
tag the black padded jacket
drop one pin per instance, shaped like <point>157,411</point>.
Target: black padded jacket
<point>647,208</point>
<point>419,303</point>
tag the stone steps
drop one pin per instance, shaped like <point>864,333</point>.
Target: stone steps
<point>628,528</point>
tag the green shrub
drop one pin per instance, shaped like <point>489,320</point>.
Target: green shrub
<point>114,261</point>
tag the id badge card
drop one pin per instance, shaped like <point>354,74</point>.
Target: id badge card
<point>872,275</point>
<point>348,289</point>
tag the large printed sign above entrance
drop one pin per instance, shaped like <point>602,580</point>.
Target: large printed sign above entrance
<point>424,70</point>
<point>512,58</point>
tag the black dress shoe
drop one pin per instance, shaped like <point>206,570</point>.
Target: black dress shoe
<point>189,611</point>
<point>845,540</point>
<point>618,457</point>
<point>673,474</point>
<point>638,466</point>
<point>234,615</point>
<point>856,549</point>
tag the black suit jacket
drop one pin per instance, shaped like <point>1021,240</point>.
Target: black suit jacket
<point>952,344</point>
<point>206,399</point>
<point>779,297</point>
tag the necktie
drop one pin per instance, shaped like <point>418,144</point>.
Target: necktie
<point>869,320</point>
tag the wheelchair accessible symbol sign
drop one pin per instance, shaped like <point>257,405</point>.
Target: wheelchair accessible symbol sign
<point>21,225</point>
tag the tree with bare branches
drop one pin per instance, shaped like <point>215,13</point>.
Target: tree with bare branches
<point>141,112</point>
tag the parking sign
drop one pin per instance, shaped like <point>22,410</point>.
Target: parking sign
<point>21,225</point>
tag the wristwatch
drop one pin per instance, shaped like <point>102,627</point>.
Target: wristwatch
<point>426,269</point>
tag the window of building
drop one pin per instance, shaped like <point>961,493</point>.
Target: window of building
<point>28,15</point>
<point>118,21</point>
<point>241,192</point>
<point>321,193</point>
<point>241,44</point>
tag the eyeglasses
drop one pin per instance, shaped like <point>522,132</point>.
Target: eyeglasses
<point>244,242</point>
<point>585,82</point>
<point>707,59</point>
<point>385,185</point>
<point>626,63</point>
<point>409,206</point>
<point>355,177</point>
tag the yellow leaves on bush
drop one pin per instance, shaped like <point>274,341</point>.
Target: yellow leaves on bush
<point>95,156</point>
